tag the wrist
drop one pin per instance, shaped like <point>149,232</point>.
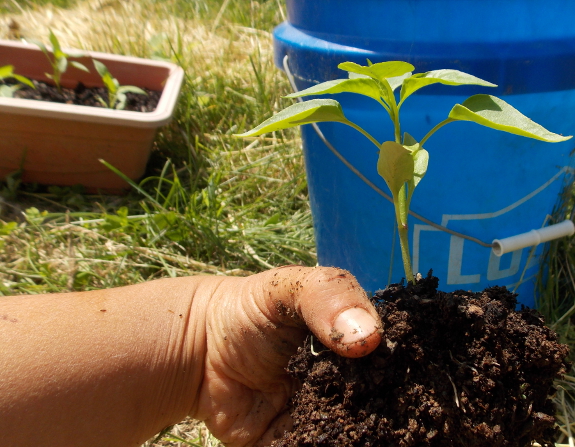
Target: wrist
<point>183,348</point>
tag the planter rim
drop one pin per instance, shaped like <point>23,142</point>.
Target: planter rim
<point>159,117</point>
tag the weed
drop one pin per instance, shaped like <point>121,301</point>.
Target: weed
<point>116,92</point>
<point>59,59</point>
<point>7,72</point>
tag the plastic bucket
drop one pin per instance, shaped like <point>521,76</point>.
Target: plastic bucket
<point>480,182</point>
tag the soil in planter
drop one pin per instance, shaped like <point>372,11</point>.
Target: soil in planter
<point>453,369</point>
<point>88,96</point>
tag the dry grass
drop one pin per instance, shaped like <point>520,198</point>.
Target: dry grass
<point>224,206</point>
<point>186,433</point>
<point>241,209</point>
<point>145,29</point>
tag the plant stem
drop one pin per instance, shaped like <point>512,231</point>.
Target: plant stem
<point>396,124</point>
<point>399,203</point>
<point>394,114</point>
<point>367,135</point>
<point>404,242</point>
<point>432,131</point>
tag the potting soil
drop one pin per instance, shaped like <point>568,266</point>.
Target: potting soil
<point>453,369</point>
<point>87,96</point>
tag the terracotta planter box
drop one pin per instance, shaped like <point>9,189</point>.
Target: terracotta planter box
<point>61,144</point>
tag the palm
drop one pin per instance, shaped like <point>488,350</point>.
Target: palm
<point>253,326</point>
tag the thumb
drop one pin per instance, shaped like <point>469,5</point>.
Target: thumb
<point>330,302</point>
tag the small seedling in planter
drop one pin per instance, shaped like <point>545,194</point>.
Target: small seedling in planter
<point>7,72</point>
<point>116,92</point>
<point>59,60</point>
<point>403,161</point>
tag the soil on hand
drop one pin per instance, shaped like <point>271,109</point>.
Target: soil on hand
<point>88,96</point>
<point>453,369</point>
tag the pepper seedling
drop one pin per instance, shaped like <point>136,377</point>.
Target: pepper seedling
<point>116,92</point>
<point>7,72</point>
<point>403,161</point>
<point>59,60</point>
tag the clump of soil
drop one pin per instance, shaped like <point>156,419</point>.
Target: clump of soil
<point>453,369</point>
<point>87,96</point>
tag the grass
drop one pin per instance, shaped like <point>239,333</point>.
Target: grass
<point>557,302</point>
<point>16,5</point>
<point>209,204</point>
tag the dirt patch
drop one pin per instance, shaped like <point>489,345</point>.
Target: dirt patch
<point>454,369</point>
<point>85,96</point>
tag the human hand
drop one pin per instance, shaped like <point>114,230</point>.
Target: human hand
<point>254,325</point>
<point>114,366</point>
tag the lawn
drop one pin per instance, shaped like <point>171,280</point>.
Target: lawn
<point>209,203</point>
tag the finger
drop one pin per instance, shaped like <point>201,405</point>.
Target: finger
<point>329,301</point>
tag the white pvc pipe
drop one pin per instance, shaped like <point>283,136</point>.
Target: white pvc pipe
<point>533,237</point>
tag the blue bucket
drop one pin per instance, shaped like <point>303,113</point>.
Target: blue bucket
<point>480,182</point>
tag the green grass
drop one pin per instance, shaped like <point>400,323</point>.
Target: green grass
<point>556,301</point>
<point>210,203</point>
<point>16,5</point>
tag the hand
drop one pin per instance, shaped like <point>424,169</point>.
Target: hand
<point>114,366</point>
<point>254,325</point>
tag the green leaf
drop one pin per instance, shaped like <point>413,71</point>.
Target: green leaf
<point>7,91</point>
<point>273,220</point>
<point>120,102</point>
<point>110,83</point>
<point>58,54</point>
<point>362,86</point>
<point>24,80</point>
<point>55,44</point>
<point>495,113</point>
<point>420,162</point>
<point>352,75</point>
<point>123,212</point>
<point>80,66</point>
<point>7,71</point>
<point>380,71</point>
<point>313,111</point>
<point>388,97</point>
<point>7,228</point>
<point>408,140</point>
<point>395,165</point>
<point>131,89</point>
<point>76,54</point>
<point>40,45</point>
<point>397,81</point>
<point>34,216</point>
<point>447,77</point>
<point>62,64</point>
<point>100,68</point>
<point>101,100</point>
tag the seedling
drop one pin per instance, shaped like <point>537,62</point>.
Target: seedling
<point>59,60</point>
<point>116,92</point>
<point>402,162</point>
<point>7,72</point>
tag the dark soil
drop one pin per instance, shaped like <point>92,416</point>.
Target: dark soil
<point>88,96</point>
<point>453,369</point>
